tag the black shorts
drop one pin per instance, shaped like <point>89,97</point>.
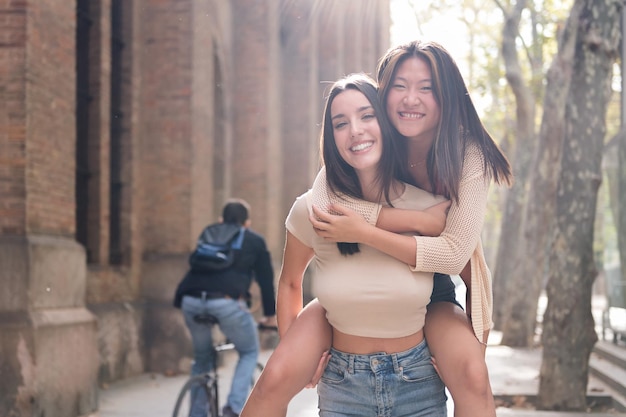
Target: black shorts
<point>443,290</point>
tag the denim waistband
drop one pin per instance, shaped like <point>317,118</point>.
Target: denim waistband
<point>212,295</point>
<point>380,360</point>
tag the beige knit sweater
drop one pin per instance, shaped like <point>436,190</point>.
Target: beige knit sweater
<point>458,243</point>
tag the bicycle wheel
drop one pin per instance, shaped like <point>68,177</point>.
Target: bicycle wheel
<point>201,390</point>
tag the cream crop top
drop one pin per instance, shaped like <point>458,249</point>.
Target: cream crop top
<point>368,294</point>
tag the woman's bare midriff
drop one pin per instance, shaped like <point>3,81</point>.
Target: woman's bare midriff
<point>367,345</point>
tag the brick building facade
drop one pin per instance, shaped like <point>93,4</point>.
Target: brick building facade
<point>125,124</point>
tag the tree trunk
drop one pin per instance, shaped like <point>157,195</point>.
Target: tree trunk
<point>615,171</point>
<point>524,146</point>
<point>621,207</point>
<point>568,333</point>
<point>614,165</point>
<point>529,270</point>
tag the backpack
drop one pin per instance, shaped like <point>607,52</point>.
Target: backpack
<point>216,247</point>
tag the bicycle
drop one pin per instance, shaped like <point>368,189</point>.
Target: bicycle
<point>207,383</point>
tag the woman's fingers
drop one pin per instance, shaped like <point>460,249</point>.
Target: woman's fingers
<point>321,215</point>
<point>321,366</point>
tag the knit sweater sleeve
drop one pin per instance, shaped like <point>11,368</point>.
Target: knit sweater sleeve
<point>449,252</point>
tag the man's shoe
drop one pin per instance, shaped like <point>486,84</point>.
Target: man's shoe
<point>228,412</point>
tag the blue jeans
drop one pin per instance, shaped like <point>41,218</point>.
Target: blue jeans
<point>382,385</point>
<point>239,326</point>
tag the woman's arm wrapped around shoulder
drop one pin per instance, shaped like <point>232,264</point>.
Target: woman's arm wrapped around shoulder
<point>447,253</point>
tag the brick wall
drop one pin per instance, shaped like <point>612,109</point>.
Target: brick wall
<point>299,90</point>
<point>219,99</point>
<point>254,100</point>
<point>166,124</point>
<point>50,123</point>
<point>48,339</point>
<point>13,120</point>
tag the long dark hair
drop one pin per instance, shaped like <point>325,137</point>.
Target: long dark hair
<point>341,177</point>
<point>459,123</point>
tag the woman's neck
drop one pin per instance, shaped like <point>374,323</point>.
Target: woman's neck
<point>369,186</point>
<point>372,188</point>
<point>418,167</point>
<point>418,152</point>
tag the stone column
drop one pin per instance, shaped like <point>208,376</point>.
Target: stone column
<point>177,115</point>
<point>48,347</point>
<point>256,166</point>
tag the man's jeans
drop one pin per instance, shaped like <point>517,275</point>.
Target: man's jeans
<point>239,326</point>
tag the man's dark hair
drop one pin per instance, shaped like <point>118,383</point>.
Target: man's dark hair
<point>236,212</point>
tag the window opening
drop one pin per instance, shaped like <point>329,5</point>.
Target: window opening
<point>117,118</point>
<point>83,100</point>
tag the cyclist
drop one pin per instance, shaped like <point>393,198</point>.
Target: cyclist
<point>225,295</point>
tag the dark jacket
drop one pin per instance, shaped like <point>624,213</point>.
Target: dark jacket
<point>252,261</point>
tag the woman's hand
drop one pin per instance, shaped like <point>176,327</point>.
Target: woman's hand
<point>321,366</point>
<point>346,226</point>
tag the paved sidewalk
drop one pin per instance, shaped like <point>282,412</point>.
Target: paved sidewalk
<point>154,395</point>
<point>513,372</point>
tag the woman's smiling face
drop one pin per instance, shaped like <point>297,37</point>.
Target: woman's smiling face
<point>356,130</point>
<point>411,104</point>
